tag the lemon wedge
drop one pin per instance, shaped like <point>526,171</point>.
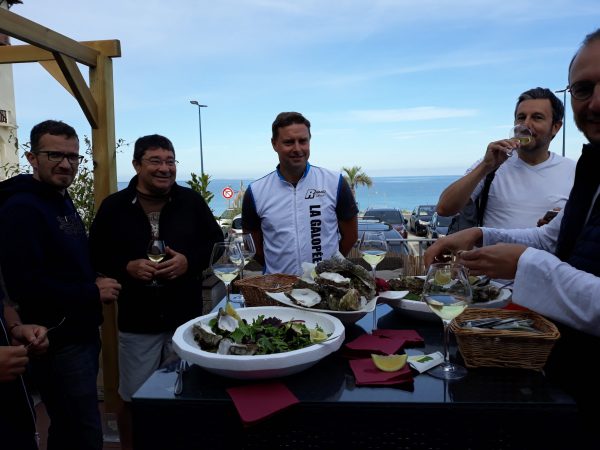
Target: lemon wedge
<point>389,363</point>
<point>230,310</point>
<point>317,335</point>
<point>442,277</point>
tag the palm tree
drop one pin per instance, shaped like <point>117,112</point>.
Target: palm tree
<point>356,177</point>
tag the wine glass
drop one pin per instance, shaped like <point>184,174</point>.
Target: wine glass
<point>156,252</point>
<point>226,262</point>
<point>247,246</point>
<point>373,248</point>
<point>447,292</point>
<point>520,133</point>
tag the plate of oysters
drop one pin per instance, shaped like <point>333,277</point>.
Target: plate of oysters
<point>486,294</point>
<point>335,286</point>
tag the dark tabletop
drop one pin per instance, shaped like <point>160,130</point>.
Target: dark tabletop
<point>492,408</point>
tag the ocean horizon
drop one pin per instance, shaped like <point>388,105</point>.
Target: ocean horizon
<point>402,192</point>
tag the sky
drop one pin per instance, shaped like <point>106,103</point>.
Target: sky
<point>396,87</point>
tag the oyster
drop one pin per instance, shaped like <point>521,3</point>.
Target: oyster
<point>333,278</point>
<point>360,278</point>
<point>226,321</point>
<point>204,336</point>
<point>304,297</point>
<point>412,284</point>
<point>229,347</point>
<point>350,301</point>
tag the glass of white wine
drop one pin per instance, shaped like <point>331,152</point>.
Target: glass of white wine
<point>447,292</point>
<point>373,248</point>
<point>226,261</point>
<point>522,134</point>
<point>156,253</point>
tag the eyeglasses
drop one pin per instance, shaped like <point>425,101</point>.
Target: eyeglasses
<point>157,162</point>
<point>58,157</point>
<point>582,90</point>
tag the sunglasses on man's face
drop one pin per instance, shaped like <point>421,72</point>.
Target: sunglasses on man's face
<point>56,156</point>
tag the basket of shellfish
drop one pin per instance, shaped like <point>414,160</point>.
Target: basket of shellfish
<point>504,338</point>
<point>254,289</point>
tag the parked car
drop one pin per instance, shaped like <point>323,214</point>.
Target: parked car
<point>395,241</point>
<point>438,226</point>
<point>419,219</point>
<point>236,225</point>
<point>392,216</point>
<point>226,218</point>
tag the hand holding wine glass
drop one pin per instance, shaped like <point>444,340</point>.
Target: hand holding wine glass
<point>373,248</point>
<point>226,261</point>
<point>522,134</point>
<point>447,292</point>
<point>156,253</point>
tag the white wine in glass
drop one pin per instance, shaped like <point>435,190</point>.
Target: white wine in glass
<point>447,292</point>
<point>522,134</point>
<point>373,248</point>
<point>247,246</point>
<point>226,261</point>
<point>156,253</point>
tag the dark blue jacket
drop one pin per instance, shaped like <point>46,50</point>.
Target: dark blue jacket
<point>45,260</point>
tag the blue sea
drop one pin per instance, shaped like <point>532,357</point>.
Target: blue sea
<point>403,193</point>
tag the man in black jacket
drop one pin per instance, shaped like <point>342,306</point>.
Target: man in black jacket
<point>48,274</point>
<point>152,206</point>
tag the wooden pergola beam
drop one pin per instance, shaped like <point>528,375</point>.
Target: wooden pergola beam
<point>14,54</point>
<point>79,88</point>
<point>35,34</point>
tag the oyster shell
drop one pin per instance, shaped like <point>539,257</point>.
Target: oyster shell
<point>304,297</point>
<point>226,322</point>
<point>350,301</point>
<point>360,278</point>
<point>333,278</point>
<point>229,347</point>
<point>204,336</point>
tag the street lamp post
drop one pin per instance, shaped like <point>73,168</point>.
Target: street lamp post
<point>564,125</point>
<point>194,102</point>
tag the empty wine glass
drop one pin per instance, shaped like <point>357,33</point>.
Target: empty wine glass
<point>373,248</point>
<point>226,261</point>
<point>247,246</point>
<point>520,133</point>
<point>447,292</point>
<point>156,253</point>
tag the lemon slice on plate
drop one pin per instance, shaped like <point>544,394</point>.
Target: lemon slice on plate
<point>317,335</point>
<point>389,363</point>
<point>229,309</point>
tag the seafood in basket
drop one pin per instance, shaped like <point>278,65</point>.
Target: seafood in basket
<point>335,284</point>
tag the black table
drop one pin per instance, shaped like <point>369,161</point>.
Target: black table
<point>489,409</point>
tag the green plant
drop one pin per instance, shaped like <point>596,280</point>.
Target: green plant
<point>199,183</point>
<point>356,177</point>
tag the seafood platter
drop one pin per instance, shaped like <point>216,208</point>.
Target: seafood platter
<point>486,294</point>
<point>337,287</point>
<point>214,341</point>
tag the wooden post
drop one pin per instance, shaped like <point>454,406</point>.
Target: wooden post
<point>105,183</point>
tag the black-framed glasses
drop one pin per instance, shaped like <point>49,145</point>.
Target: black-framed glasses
<point>157,162</point>
<point>582,90</point>
<point>56,156</point>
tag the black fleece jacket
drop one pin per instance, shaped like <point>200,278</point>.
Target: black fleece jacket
<point>120,233</point>
<point>45,260</point>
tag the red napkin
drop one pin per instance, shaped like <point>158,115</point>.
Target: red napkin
<point>515,307</point>
<point>255,402</point>
<point>366,373</point>
<point>385,342</point>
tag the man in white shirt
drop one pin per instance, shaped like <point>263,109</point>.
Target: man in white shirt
<point>525,185</point>
<point>556,267</point>
<point>299,212</point>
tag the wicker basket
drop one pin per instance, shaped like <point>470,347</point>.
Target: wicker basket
<point>503,348</point>
<point>254,288</point>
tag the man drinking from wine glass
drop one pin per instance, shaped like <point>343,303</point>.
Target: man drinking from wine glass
<point>48,274</point>
<point>557,267</point>
<point>299,212</point>
<point>522,187</point>
<point>157,296</point>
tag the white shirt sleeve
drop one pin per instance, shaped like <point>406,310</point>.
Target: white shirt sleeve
<point>547,285</point>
